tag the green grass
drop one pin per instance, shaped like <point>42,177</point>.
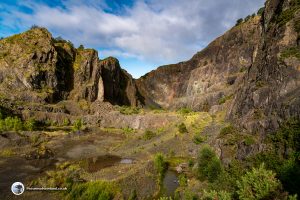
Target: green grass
<point>6,153</point>
<point>224,99</point>
<point>182,128</point>
<point>184,111</point>
<point>98,190</point>
<point>148,135</point>
<point>288,14</point>
<point>227,130</point>
<point>290,52</point>
<point>128,110</point>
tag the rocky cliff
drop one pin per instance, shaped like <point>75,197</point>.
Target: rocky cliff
<point>253,69</point>
<point>270,91</point>
<point>34,67</point>
<point>210,76</point>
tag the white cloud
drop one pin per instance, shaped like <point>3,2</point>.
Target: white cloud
<point>162,31</point>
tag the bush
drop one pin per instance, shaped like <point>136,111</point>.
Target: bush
<point>182,128</point>
<point>239,21</point>
<point>198,139</point>
<point>209,165</point>
<point>148,135</point>
<point>213,195</point>
<point>81,47</point>
<point>99,190</point>
<point>183,180</point>
<point>247,18</point>
<point>161,167</point>
<point>126,110</point>
<point>77,125</point>
<point>11,124</point>
<point>184,111</point>
<point>227,130</point>
<point>260,11</point>
<point>30,124</point>
<point>257,184</point>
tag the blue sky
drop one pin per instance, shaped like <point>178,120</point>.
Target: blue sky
<point>142,34</point>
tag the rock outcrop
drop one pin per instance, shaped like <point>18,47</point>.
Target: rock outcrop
<point>209,76</point>
<point>270,91</point>
<point>34,67</point>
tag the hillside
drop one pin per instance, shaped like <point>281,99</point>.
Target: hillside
<point>223,125</point>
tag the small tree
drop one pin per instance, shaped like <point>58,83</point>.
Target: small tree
<point>257,184</point>
<point>209,165</point>
<point>247,18</point>
<point>81,47</point>
<point>261,11</point>
<point>182,128</point>
<point>239,21</point>
<point>161,167</point>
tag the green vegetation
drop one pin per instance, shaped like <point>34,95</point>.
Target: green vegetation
<point>6,152</point>
<point>227,130</point>
<point>239,21</point>
<point>213,195</point>
<point>148,135</point>
<point>182,128</point>
<point>161,167</point>
<point>290,52</point>
<point>257,184</point>
<point>99,190</point>
<point>184,111</point>
<point>183,180</point>
<point>209,165</point>
<point>133,195</point>
<point>127,130</point>
<point>66,122</point>
<point>30,124</point>
<point>77,125</point>
<point>249,140</point>
<point>224,99</point>
<point>198,139</point>
<point>128,110</point>
<point>81,47</point>
<point>288,14</point>
<point>247,18</point>
<point>11,124</point>
<point>260,11</point>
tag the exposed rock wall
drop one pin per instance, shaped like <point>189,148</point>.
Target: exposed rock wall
<point>210,75</point>
<point>38,68</point>
<point>270,91</point>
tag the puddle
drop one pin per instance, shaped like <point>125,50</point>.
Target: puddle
<point>95,164</point>
<point>126,161</point>
<point>170,183</point>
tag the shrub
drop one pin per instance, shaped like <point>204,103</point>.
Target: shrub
<point>77,125</point>
<point>99,190</point>
<point>148,135</point>
<point>198,139</point>
<point>213,195</point>
<point>161,167</point>
<point>239,21</point>
<point>133,195</point>
<point>209,165</point>
<point>30,124</point>
<point>249,140</point>
<point>247,18</point>
<point>260,11</point>
<point>81,47</point>
<point>257,184</point>
<point>184,111</point>
<point>126,110</point>
<point>182,128</point>
<point>183,180</point>
<point>224,99</point>
<point>66,122</point>
<point>227,130</point>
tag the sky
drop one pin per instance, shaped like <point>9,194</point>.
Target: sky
<point>142,34</point>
